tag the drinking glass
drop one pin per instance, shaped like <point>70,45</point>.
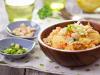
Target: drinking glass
<point>19,9</point>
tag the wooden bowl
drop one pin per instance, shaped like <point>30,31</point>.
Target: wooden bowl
<point>66,57</point>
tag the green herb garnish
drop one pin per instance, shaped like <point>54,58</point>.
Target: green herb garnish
<point>14,49</point>
<point>70,27</point>
<point>45,12</point>
<point>42,65</point>
<point>76,28</point>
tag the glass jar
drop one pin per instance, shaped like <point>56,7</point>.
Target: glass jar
<point>89,5</point>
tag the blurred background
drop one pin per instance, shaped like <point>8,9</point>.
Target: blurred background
<point>46,12</point>
<point>43,9</point>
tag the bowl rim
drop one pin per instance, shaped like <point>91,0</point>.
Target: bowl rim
<point>61,50</point>
<point>8,30</point>
<point>28,51</point>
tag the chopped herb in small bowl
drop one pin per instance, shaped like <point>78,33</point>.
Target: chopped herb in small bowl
<point>15,48</point>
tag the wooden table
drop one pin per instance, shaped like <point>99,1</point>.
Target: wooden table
<point>15,71</point>
<point>10,70</point>
<point>4,70</point>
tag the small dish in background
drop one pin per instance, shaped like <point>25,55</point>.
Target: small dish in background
<point>25,24</point>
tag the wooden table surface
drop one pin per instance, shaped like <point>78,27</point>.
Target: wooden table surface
<point>4,70</point>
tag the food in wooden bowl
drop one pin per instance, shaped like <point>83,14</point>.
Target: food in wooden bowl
<point>73,37</point>
<point>71,43</point>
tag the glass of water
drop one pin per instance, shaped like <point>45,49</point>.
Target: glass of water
<point>19,9</point>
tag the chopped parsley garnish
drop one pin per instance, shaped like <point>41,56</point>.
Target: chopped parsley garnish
<point>45,12</point>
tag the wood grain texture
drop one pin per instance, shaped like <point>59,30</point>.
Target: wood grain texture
<point>34,72</point>
<point>4,21</point>
<point>10,71</point>
<point>14,71</point>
